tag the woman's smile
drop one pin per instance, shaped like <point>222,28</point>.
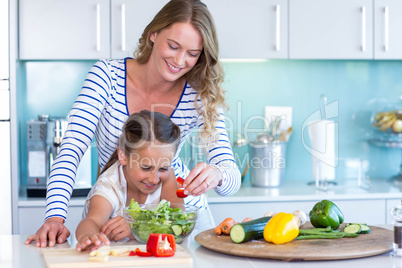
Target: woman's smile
<point>173,68</point>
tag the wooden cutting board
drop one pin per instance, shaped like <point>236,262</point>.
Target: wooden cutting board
<point>68,258</point>
<point>378,241</point>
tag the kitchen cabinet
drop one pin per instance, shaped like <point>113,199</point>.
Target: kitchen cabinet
<point>327,29</point>
<point>251,29</point>
<point>387,22</point>
<point>128,20</point>
<point>31,217</point>
<point>64,29</point>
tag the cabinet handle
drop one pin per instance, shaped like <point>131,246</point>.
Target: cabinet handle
<point>123,27</point>
<point>278,28</point>
<point>386,29</point>
<point>98,30</point>
<point>363,28</point>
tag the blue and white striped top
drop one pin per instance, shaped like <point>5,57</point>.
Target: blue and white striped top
<point>100,110</point>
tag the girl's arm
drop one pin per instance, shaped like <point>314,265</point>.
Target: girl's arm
<point>88,231</point>
<point>169,188</point>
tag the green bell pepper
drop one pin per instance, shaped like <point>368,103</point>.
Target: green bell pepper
<point>326,213</point>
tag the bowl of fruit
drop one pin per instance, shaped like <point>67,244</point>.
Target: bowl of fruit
<point>388,121</point>
<point>161,218</point>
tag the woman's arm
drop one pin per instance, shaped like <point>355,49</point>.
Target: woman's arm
<point>82,123</point>
<point>88,232</point>
<point>221,173</point>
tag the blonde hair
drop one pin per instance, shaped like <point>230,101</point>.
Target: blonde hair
<point>206,76</point>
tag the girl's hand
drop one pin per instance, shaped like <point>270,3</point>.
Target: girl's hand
<point>93,240</point>
<point>117,228</point>
<point>201,179</point>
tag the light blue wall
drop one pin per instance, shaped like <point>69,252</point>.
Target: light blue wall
<point>50,87</point>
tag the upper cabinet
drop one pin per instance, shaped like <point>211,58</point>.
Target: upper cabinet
<point>387,24</point>
<point>128,20</point>
<point>64,29</point>
<point>330,29</point>
<point>251,29</point>
<point>271,29</point>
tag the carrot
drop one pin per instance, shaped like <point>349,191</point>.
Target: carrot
<point>219,229</point>
<point>227,226</point>
<point>247,219</point>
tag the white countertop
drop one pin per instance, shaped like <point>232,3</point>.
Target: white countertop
<point>14,254</point>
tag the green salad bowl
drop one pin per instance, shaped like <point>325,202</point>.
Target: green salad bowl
<point>179,220</point>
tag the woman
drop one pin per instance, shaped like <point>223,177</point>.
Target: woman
<point>176,72</point>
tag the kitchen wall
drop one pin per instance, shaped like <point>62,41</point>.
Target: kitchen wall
<point>50,87</point>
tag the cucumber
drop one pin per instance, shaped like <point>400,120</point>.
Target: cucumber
<point>353,228</point>
<point>246,231</point>
<point>365,229</point>
<point>177,230</point>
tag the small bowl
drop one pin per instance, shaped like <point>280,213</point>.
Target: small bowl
<point>180,224</point>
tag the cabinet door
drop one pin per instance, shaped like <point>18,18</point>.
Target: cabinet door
<point>388,21</point>
<point>64,29</point>
<point>327,29</point>
<point>129,19</point>
<point>251,29</point>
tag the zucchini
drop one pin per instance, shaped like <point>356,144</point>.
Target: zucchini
<point>365,229</point>
<point>246,231</point>
<point>177,230</point>
<point>353,228</point>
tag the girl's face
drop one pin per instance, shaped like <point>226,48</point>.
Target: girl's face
<point>148,167</point>
<point>176,50</point>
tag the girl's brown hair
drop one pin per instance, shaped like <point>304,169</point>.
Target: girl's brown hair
<point>206,76</point>
<point>144,127</point>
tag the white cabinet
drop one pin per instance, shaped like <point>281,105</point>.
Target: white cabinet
<point>128,20</point>
<point>31,218</point>
<point>64,29</point>
<point>328,29</point>
<point>251,29</point>
<point>387,24</point>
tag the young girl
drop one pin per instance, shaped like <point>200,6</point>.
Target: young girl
<point>140,168</point>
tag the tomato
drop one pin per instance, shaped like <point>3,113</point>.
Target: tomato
<point>180,193</point>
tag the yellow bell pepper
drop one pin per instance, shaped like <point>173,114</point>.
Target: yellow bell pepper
<point>281,228</point>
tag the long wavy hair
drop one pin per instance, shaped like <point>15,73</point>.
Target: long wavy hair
<point>206,76</point>
<point>143,127</point>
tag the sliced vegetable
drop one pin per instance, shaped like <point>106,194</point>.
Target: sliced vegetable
<point>180,193</point>
<point>365,229</point>
<point>161,245</point>
<point>281,229</point>
<point>180,182</point>
<point>246,231</point>
<point>140,253</point>
<point>353,228</point>
<point>326,213</point>
<point>132,253</point>
<point>177,230</point>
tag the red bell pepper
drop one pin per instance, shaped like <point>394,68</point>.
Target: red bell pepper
<point>161,245</point>
<point>180,181</point>
<point>180,193</point>
<point>140,253</point>
<point>132,253</point>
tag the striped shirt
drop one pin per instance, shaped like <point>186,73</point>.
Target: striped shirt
<point>100,111</point>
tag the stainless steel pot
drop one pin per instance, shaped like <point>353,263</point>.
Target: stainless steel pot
<point>268,162</point>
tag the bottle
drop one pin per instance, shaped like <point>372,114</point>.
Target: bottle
<point>397,245</point>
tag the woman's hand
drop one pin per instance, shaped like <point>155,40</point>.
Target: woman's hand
<point>93,240</point>
<point>117,228</point>
<point>202,178</point>
<point>53,230</point>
